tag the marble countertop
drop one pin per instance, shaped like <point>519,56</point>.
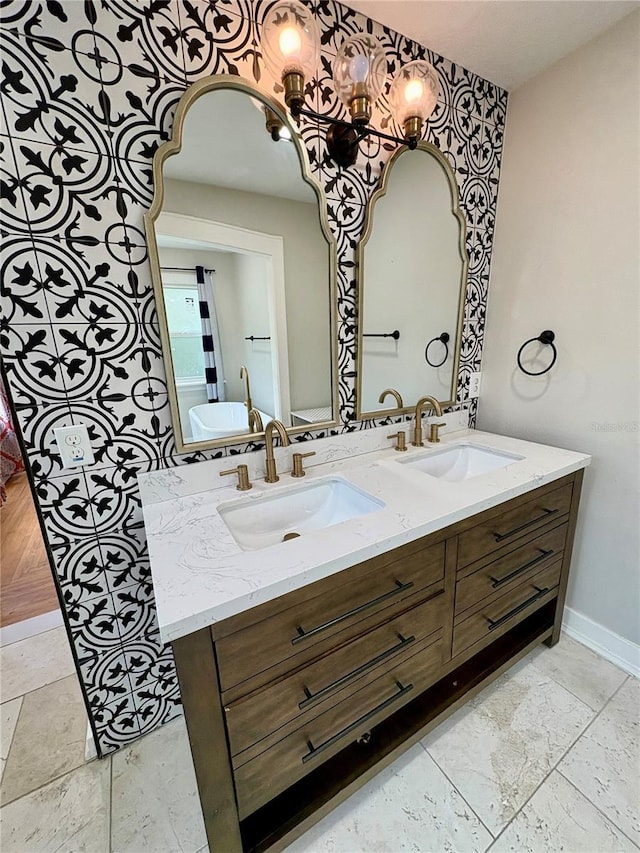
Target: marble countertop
<point>201,575</point>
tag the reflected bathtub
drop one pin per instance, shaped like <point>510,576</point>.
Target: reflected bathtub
<point>220,420</point>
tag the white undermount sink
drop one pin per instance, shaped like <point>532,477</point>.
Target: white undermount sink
<point>461,462</point>
<point>268,519</point>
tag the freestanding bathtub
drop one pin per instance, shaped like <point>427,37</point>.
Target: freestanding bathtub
<point>220,420</point>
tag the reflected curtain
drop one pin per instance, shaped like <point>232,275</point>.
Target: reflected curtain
<point>210,336</point>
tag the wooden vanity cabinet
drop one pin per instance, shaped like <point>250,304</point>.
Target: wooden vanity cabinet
<point>293,705</point>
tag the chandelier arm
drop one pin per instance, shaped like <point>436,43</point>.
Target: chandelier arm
<point>371,131</point>
<point>300,111</point>
<point>362,131</point>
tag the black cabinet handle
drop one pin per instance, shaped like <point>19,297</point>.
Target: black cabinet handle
<point>339,682</point>
<point>514,574</point>
<point>304,635</point>
<point>547,512</point>
<point>498,622</point>
<point>316,750</point>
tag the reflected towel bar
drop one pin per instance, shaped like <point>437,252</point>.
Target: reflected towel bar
<point>444,339</point>
<point>183,269</point>
<point>395,335</point>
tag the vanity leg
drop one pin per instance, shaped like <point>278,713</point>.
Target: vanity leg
<point>566,560</point>
<point>198,677</point>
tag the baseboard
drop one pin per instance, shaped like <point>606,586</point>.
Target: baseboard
<point>30,627</point>
<point>606,643</point>
<point>90,751</point>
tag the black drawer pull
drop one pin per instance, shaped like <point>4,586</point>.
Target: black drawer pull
<point>339,682</point>
<point>498,622</point>
<point>304,635</point>
<point>514,574</point>
<point>547,513</point>
<point>316,750</point>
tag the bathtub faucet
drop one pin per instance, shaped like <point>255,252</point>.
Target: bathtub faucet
<point>244,374</point>
<point>255,421</point>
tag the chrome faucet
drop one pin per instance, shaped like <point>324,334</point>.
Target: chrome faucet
<point>417,431</point>
<point>272,474</point>
<point>244,374</point>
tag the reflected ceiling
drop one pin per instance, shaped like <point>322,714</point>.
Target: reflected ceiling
<point>214,155</point>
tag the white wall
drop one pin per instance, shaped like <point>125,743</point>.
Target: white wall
<point>566,258</point>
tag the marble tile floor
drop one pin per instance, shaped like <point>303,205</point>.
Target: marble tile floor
<point>545,759</point>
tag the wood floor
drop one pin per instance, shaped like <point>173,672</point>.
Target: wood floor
<point>26,585</point>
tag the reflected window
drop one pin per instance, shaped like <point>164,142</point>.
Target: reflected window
<point>185,331</point>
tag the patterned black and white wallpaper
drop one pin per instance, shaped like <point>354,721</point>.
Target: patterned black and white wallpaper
<point>88,94</point>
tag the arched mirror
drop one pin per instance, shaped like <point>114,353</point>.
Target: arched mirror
<point>243,264</point>
<point>412,283</point>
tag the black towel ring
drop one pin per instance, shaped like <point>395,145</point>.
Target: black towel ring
<point>546,337</point>
<point>444,339</point>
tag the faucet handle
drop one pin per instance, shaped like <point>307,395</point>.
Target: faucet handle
<point>434,436</point>
<point>243,477</point>
<point>401,439</point>
<point>298,470</point>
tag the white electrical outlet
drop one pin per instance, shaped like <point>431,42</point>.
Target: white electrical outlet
<point>74,446</point>
<point>474,385</point>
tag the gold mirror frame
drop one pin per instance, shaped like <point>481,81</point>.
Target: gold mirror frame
<point>172,147</point>
<point>457,212</point>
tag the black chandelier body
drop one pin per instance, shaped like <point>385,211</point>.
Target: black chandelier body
<point>344,137</point>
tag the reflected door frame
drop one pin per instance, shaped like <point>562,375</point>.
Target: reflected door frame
<point>200,233</point>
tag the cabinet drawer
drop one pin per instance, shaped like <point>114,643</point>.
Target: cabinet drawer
<point>501,614</point>
<point>510,570</point>
<point>260,779</point>
<point>328,680</point>
<point>317,624</point>
<point>508,527</point>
